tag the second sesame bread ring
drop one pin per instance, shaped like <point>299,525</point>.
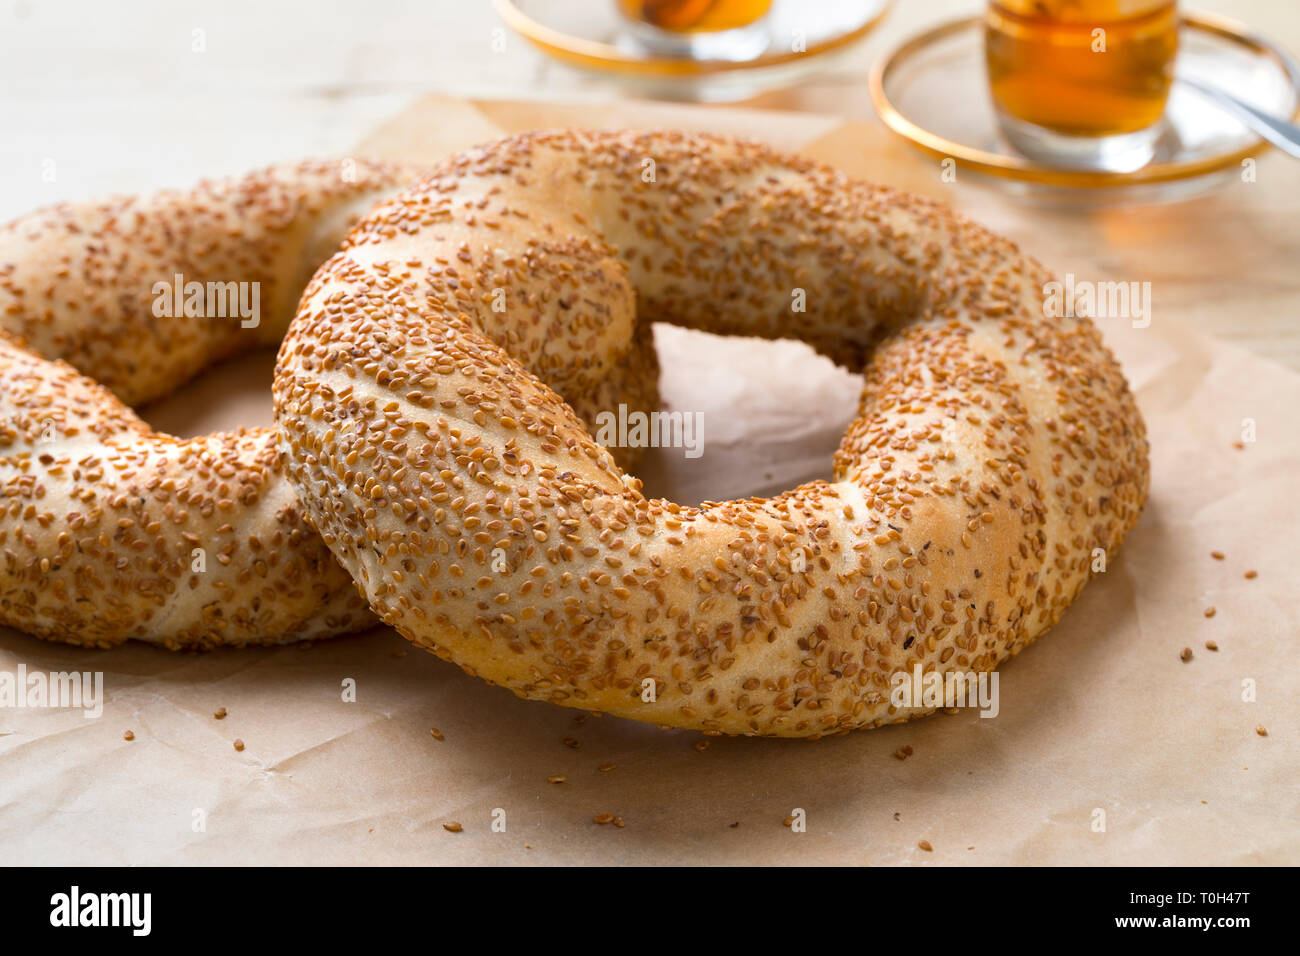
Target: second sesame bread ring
<point>110,531</point>
<point>143,292</point>
<point>994,450</point>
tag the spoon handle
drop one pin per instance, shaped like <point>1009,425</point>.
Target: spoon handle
<point>1282,134</point>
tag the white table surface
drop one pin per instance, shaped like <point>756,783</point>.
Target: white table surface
<point>113,97</point>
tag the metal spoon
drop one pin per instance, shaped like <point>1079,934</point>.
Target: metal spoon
<point>1285,136</point>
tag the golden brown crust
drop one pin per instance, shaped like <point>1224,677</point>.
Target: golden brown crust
<point>994,450</point>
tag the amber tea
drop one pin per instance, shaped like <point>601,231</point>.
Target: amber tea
<point>1080,68</point>
<point>695,16</point>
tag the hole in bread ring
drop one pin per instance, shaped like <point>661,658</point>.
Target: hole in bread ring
<point>995,448</point>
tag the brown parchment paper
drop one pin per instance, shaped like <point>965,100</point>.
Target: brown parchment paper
<point>1101,714</point>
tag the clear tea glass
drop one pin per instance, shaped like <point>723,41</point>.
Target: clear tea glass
<point>1082,83</point>
<point>702,29</point>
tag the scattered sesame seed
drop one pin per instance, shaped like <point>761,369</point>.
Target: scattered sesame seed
<point>571,743</point>
<point>606,767</point>
<point>701,745</point>
<point>436,734</point>
<point>129,735</point>
<point>1251,574</point>
<point>902,753</point>
<point>1211,646</point>
<point>1217,555</point>
<point>452,827</point>
<point>1210,611</point>
<point>603,818</point>
<point>220,714</point>
<point>925,845</point>
<point>556,778</point>
<point>1261,730</point>
<point>239,744</point>
<point>1186,655</point>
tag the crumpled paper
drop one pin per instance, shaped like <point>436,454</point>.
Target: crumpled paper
<point>1108,748</point>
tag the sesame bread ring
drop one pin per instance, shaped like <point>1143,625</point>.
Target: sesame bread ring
<point>110,531</point>
<point>107,530</point>
<point>994,449</point>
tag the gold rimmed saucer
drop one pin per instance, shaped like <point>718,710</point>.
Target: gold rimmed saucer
<point>933,91</point>
<point>591,35</point>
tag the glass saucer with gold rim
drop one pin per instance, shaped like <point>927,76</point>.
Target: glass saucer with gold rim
<point>933,90</point>
<point>592,35</point>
